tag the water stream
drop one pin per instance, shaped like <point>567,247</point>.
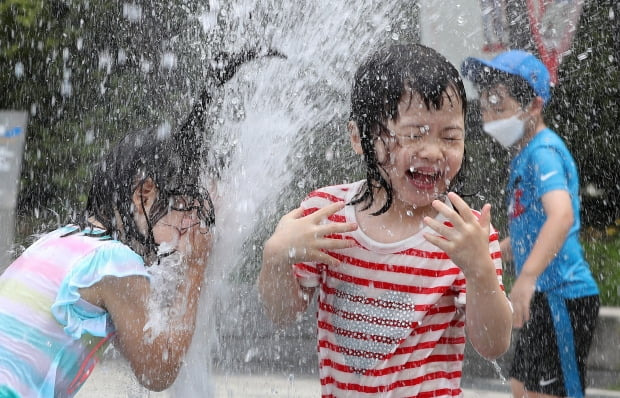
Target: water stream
<point>280,125</point>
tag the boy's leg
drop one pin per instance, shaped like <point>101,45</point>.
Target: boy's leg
<point>518,389</point>
<point>538,364</point>
<point>584,317</point>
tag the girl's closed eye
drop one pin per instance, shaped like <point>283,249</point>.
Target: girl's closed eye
<point>453,135</point>
<point>416,133</point>
<point>413,134</point>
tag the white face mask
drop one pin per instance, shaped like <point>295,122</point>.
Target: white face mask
<point>506,131</point>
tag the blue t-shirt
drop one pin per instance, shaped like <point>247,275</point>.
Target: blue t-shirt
<point>545,165</point>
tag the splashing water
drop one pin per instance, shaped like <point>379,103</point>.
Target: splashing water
<point>269,115</point>
<point>166,275</point>
<point>498,369</point>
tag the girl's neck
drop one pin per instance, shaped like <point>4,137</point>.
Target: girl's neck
<point>399,222</point>
<point>95,223</point>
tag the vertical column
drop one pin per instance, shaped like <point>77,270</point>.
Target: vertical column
<point>12,137</point>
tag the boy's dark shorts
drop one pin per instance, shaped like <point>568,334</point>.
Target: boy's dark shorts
<point>538,363</point>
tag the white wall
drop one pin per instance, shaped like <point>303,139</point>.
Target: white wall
<point>454,28</point>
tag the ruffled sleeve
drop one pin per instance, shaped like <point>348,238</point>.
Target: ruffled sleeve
<point>110,259</point>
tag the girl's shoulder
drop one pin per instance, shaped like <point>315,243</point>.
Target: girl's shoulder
<point>333,193</point>
<point>96,245</point>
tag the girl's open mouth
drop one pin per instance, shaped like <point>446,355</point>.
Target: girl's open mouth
<point>423,179</point>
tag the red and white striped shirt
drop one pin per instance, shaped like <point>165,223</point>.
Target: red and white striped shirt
<point>391,316</point>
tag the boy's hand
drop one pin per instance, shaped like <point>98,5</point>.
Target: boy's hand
<point>467,241</point>
<point>298,238</point>
<point>520,297</point>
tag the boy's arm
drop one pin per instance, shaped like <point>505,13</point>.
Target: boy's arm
<point>467,243</point>
<point>559,211</point>
<point>506,249</point>
<point>297,238</point>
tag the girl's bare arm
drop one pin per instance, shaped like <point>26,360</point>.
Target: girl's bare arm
<point>297,238</point>
<point>489,317</point>
<point>155,356</point>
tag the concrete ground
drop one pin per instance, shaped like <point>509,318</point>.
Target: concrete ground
<point>265,373</point>
<point>113,379</point>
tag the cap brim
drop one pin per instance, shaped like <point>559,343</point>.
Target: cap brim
<point>477,70</point>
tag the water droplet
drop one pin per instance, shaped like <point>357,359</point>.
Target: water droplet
<point>19,69</point>
<point>145,65</point>
<point>250,354</point>
<point>498,369</point>
<point>168,61</point>
<point>89,137</point>
<point>121,57</point>
<point>329,154</point>
<point>132,11</point>
<point>163,130</point>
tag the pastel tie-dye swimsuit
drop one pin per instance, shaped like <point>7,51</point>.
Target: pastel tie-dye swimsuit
<point>50,338</point>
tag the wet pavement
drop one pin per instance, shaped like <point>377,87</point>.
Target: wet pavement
<point>113,379</point>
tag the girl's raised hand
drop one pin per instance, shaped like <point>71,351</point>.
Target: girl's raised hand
<point>300,238</point>
<point>467,240</point>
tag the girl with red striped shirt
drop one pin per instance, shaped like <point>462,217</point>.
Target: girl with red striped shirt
<point>396,258</point>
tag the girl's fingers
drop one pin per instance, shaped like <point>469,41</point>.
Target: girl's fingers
<point>294,214</point>
<point>337,227</point>
<point>327,259</point>
<point>438,241</point>
<point>326,211</point>
<point>448,212</point>
<point>485,216</point>
<point>464,211</point>
<point>439,227</point>
<point>332,244</point>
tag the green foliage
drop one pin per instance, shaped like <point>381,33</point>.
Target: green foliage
<point>586,106</point>
<point>24,13</point>
<point>604,258</point>
<point>88,74</point>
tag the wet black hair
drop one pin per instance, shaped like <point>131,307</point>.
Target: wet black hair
<point>518,88</point>
<point>138,156</point>
<point>380,83</point>
<point>173,162</point>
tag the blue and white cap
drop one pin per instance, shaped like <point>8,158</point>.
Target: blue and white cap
<point>514,62</point>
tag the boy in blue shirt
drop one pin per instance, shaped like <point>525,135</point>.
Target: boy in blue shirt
<point>555,298</point>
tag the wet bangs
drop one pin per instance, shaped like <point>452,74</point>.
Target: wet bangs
<point>435,99</point>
